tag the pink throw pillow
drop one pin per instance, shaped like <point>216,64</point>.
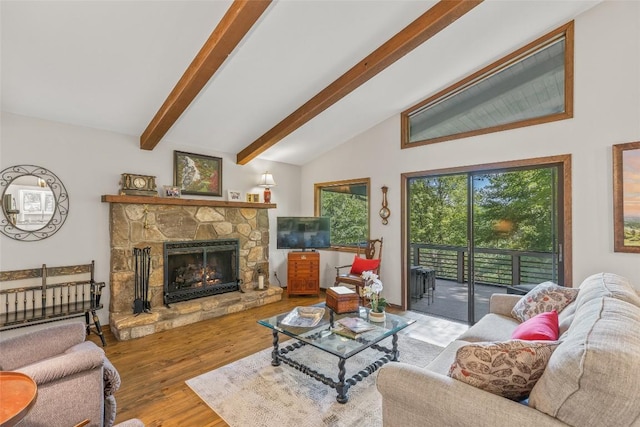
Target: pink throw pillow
<point>543,327</point>
<point>363,264</point>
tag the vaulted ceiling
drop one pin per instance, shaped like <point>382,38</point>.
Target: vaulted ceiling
<point>113,64</point>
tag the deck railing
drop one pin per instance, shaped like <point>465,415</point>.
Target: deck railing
<point>501,267</point>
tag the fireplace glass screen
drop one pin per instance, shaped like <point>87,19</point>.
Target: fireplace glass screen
<point>197,269</point>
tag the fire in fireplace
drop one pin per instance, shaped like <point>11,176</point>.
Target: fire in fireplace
<point>196,269</point>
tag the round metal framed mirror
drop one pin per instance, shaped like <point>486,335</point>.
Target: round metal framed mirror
<point>35,203</point>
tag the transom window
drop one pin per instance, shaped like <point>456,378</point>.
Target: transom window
<point>346,203</point>
<point>530,86</point>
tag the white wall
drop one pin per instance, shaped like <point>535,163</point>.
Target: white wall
<point>89,163</point>
<point>606,112</point>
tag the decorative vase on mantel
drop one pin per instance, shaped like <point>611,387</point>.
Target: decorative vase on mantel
<point>375,316</point>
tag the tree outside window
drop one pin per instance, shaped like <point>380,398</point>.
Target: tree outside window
<point>346,203</point>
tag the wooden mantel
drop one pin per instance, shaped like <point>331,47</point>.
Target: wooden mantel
<point>148,200</point>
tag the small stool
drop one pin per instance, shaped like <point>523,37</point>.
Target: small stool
<point>423,282</point>
<point>428,282</point>
<point>416,282</point>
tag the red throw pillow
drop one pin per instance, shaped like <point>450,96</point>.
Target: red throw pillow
<point>363,264</point>
<point>544,326</point>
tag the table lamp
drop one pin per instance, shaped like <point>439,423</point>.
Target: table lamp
<point>266,181</point>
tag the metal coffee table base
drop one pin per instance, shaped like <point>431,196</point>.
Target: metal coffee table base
<point>342,385</point>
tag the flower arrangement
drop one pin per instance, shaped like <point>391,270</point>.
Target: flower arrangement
<point>372,289</point>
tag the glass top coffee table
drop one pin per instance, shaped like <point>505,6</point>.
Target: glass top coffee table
<point>323,337</point>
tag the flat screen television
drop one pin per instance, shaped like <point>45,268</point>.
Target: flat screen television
<point>311,232</point>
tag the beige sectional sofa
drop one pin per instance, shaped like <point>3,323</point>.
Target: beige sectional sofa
<point>592,377</point>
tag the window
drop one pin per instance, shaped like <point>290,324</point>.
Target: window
<point>530,86</point>
<point>346,203</point>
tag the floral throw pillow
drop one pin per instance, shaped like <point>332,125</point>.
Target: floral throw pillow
<point>509,369</point>
<point>545,297</point>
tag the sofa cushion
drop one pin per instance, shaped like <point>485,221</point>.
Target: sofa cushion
<point>76,360</point>
<point>566,317</point>
<point>442,363</point>
<point>607,285</point>
<point>544,326</point>
<point>595,367</point>
<point>492,327</point>
<point>545,297</point>
<point>509,369</point>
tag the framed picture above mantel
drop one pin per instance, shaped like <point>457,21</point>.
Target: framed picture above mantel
<point>626,197</point>
<point>197,174</point>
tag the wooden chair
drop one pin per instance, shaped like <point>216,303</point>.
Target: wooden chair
<point>372,259</point>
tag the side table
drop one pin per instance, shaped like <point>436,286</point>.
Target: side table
<point>17,395</point>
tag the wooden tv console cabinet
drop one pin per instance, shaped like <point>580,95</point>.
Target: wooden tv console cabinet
<point>303,273</point>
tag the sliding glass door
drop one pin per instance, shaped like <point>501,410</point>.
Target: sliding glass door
<point>479,233</point>
<point>437,236</point>
<point>513,233</point>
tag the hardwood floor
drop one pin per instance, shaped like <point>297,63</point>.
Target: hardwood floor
<point>154,368</point>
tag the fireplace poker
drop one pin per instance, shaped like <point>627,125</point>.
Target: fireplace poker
<point>137,302</point>
<point>147,303</point>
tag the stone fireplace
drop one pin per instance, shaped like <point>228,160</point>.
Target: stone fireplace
<point>180,224</point>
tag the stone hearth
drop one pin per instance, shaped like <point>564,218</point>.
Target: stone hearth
<point>137,222</point>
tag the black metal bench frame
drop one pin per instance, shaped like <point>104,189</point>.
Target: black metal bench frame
<point>49,302</point>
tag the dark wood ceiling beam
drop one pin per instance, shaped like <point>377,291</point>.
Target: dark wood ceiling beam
<point>426,26</point>
<point>235,24</point>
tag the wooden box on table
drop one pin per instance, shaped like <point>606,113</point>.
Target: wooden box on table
<point>341,299</point>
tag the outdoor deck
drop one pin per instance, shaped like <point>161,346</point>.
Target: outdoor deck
<point>450,300</point>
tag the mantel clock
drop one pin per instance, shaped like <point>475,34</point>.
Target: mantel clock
<point>138,185</point>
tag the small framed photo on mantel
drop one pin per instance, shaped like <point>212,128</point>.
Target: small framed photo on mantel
<point>171,191</point>
<point>234,196</point>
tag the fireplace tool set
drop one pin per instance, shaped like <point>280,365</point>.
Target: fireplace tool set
<point>142,261</point>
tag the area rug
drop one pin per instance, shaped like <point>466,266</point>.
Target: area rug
<point>252,393</point>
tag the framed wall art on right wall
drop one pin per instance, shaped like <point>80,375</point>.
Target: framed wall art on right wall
<point>626,197</point>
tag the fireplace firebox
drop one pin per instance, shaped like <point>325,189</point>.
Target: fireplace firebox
<point>196,269</point>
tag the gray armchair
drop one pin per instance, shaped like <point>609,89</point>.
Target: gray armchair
<point>75,380</point>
